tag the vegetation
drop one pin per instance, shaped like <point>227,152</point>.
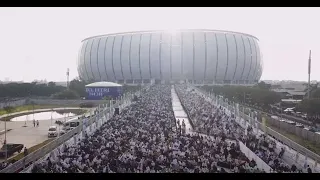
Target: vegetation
<point>23,90</point>
<point>259,95</point>
<point>16,90</point>
<point>78,86</point>
<point>315,93</point>
<point>8,109</point>
<point>66,94</point>
<point>87,105</point>
<point>303,142</point>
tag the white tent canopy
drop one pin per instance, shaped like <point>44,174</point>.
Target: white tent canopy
<point>103,84</point>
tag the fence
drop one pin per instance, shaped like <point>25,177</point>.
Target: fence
<point>244,149</point>
<point>294,152</point>
<point>86,126</point>
<point>251,155</point>
<point>298,131</point>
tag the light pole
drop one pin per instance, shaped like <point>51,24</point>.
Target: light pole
<point>309,73</point>
<point>8,110</point>
<point>51,116</point>
<point>33,111</point>
<point>5,139</point>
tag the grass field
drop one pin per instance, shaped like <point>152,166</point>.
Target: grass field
<point>305,143</point>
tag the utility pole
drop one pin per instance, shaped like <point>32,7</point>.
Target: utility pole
<point>51,116</point>
<point>5,134</point>
<point>5,139</point>
<point>281,110</point>
<point>68,78</point>
<point>309,72</point>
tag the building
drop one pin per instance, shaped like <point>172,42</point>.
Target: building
<point>102,90</point>
<point>196,56</point>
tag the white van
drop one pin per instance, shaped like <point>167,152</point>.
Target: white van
<point>53,131</point>
<point>71,124</point>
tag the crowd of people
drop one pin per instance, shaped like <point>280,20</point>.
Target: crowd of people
<point>144,139</point>
<point>213,121</point>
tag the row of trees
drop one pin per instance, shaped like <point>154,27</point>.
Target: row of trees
<point>255,96</point>
<point>18,90</point>
<point>262,97</point>
<point>75,91</point>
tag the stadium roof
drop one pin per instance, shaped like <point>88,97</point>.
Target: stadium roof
<point>103,84</point>
<point>178,30</point>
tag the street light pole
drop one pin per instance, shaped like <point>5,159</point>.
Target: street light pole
<point>5,139</point>
<point>5,133</point>
<point>51,116</point>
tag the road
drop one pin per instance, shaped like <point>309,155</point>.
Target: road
<point>28,136</point>
<point>286,116</point>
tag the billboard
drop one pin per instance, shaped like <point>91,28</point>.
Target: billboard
<point>99,93</point>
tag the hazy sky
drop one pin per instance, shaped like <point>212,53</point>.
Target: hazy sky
<point>41,43</point>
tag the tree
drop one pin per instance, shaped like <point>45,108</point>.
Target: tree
<point>28,89</point>
<point>313,88</point>
<point>78,86</point>
<point>315,93</point>
<point>311,107</point>
<point>51,84</point>
<point>255,96</point>
<point>67,94</point>
<point>263,85</point>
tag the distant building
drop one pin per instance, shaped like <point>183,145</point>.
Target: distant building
<point>294,92</point>
<point>195,56</point>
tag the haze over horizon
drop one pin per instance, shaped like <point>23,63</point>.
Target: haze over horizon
<point>41,43</point>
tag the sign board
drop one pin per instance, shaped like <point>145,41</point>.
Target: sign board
<point>98,93</point>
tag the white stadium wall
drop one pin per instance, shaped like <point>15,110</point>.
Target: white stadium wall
<point>199,56</point>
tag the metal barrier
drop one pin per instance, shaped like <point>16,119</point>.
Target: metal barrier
<point>304,152</point>
<point>38,154</point>
<point>249,154</point>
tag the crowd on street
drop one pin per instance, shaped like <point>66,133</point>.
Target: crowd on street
<point>144,139</point>
<point>213,121</point>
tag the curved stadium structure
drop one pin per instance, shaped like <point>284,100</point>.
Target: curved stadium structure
<point>197,56</point>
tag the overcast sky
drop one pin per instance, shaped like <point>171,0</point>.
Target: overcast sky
<point>41,43</point>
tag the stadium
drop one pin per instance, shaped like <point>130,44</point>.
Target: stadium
<point>195,56</point>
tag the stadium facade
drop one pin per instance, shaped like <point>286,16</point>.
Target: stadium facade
<point>197,56</point>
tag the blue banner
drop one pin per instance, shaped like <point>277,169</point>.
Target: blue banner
<point>97,93</point>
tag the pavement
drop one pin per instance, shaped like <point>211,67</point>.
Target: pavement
<point>28,136</point>
<point>181,115</point>
<point>178,111</point>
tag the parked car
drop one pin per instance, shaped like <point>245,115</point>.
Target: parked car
<point>290,122</point>
<point>10,149</point>
<point>53,131</point>
<point>299,125</point>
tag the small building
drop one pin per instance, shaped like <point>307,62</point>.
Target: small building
<point>103,90</point>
